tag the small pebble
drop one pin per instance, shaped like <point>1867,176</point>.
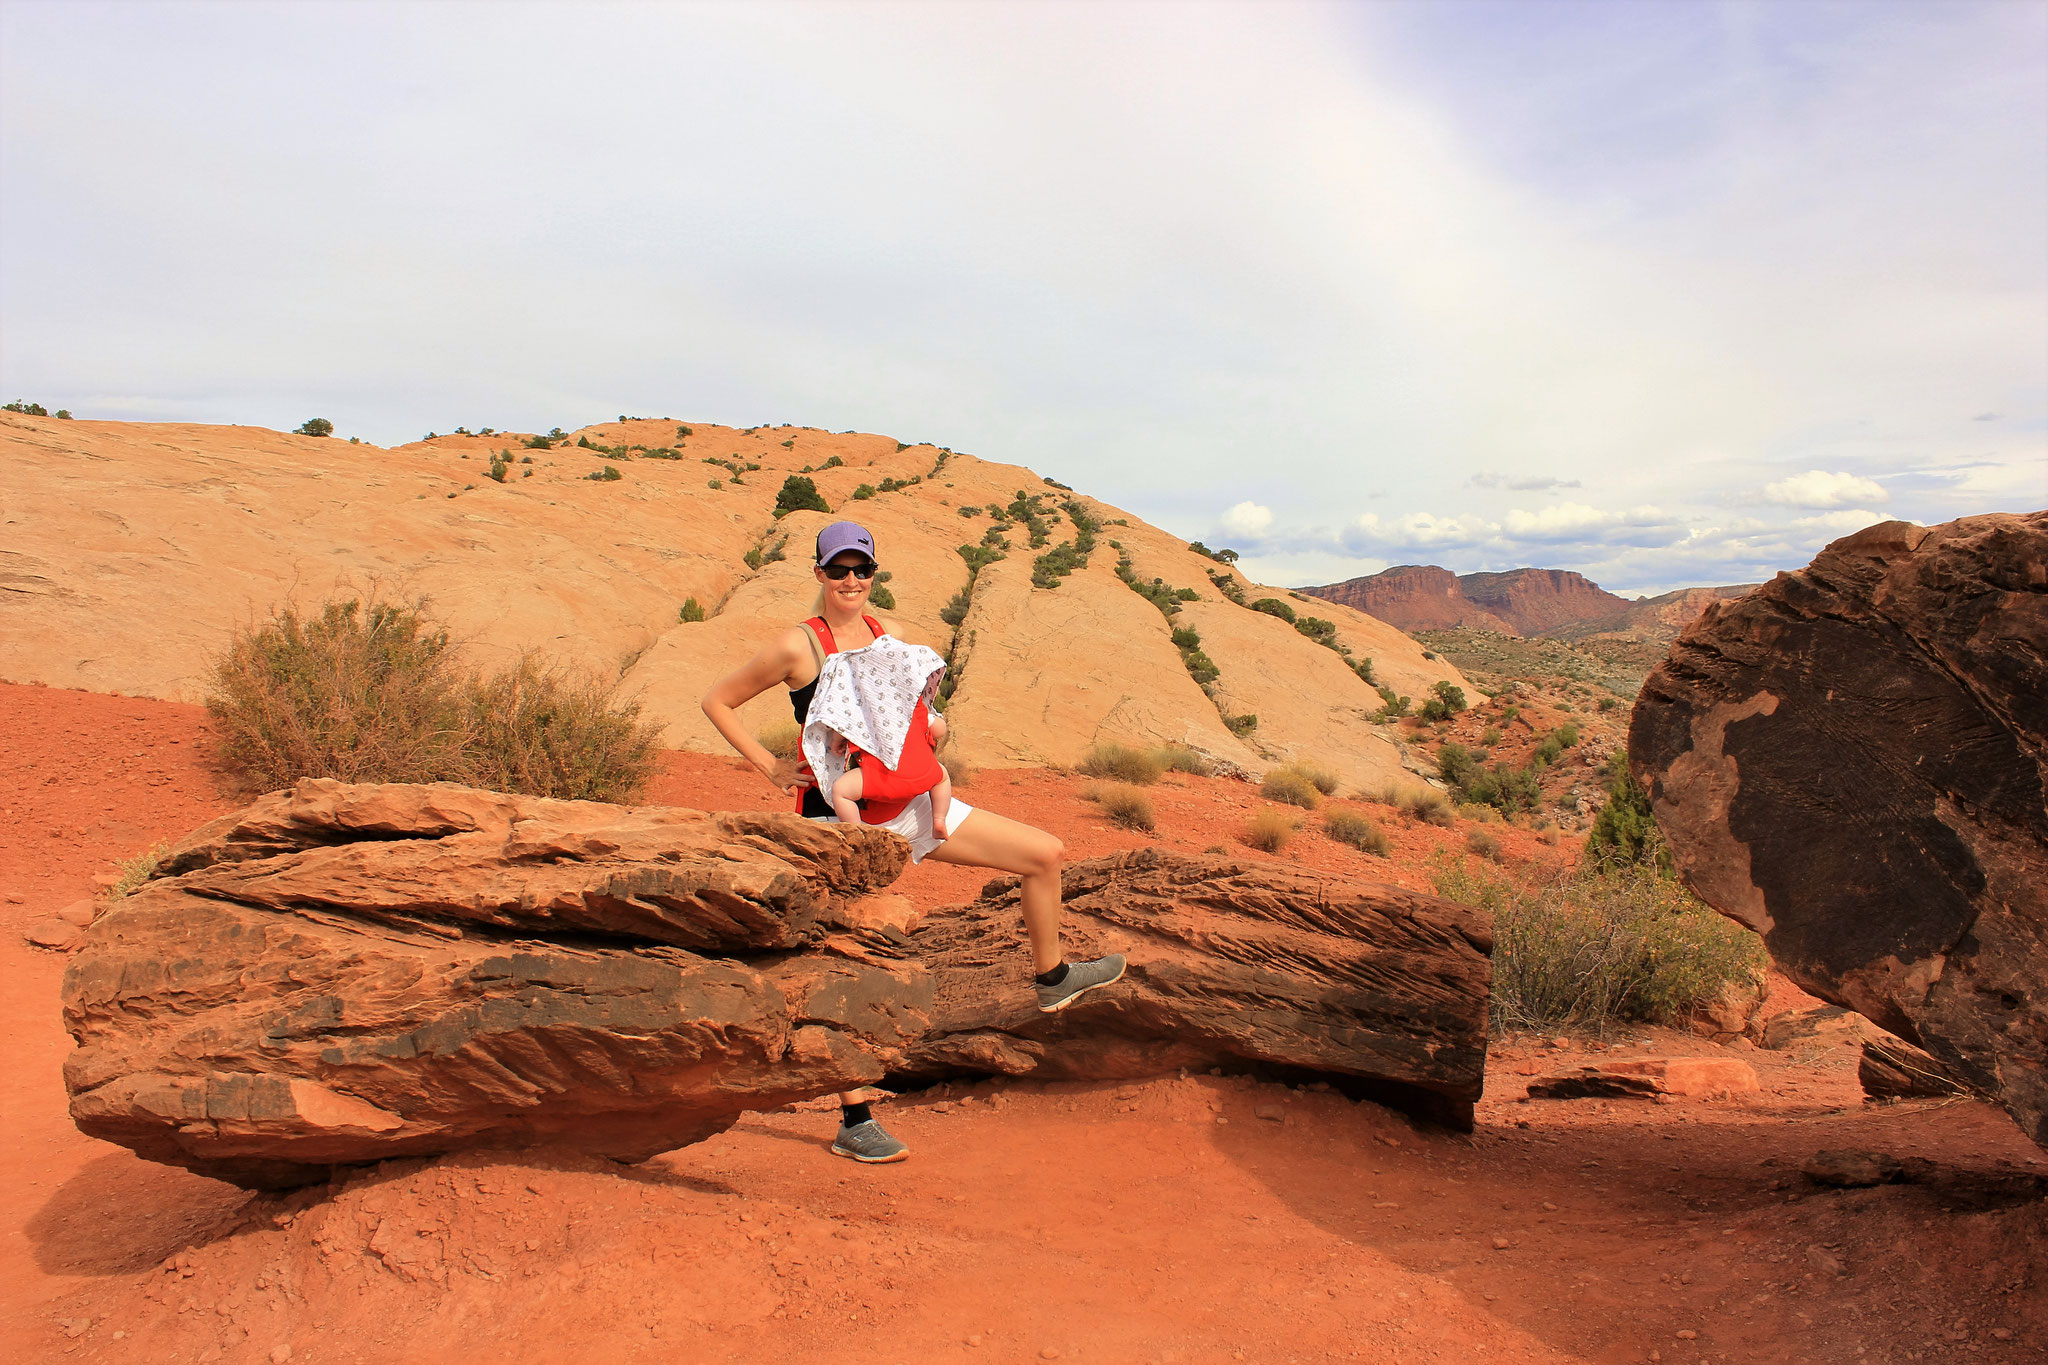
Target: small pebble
<point>1500,1244</point>
<point>1687,1334</point>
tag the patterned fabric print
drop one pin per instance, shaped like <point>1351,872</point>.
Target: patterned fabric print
<point>868,695</point>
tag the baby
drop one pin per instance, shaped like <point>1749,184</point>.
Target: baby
<point>915,768</point>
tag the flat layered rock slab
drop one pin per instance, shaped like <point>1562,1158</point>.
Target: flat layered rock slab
<point>1648,1078</point>
<point>1233,964</point>
<point>1853,761</point>
<point>342,974</point>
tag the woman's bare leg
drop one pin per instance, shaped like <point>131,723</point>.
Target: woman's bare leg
<point>985,839</point>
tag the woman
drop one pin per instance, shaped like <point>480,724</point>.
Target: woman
<point>845,570</point>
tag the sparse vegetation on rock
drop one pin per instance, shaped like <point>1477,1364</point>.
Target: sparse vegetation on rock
<point>314,426</point>
<point>799,494</point>
<point>692,611</point>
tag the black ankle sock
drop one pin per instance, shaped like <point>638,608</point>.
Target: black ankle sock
<point>1053,977</point>
<point>850,1114</point>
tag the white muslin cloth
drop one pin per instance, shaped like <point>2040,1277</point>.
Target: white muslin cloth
<point>868,695</point>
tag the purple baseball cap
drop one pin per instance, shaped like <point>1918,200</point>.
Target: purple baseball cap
<point>842,536</point>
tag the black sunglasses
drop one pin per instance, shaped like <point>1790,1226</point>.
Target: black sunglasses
<point>863,572</point>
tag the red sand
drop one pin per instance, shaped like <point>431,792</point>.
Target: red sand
<point>1193,1220</point>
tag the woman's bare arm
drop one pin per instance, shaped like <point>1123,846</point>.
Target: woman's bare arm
<point>774,666</point>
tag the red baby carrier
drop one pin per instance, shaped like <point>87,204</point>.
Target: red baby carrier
<point>885,791</point>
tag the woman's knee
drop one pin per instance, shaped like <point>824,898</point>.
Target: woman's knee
<point>1047,853</point>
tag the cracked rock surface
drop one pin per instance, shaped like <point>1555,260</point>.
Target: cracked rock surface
<point>344,973</point>
<point>1853,761</point>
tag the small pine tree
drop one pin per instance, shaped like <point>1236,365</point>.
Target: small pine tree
<point>1625,834</point>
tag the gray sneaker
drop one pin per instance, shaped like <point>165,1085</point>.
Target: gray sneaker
<point>1081,978</point>
<point>868,1142</point>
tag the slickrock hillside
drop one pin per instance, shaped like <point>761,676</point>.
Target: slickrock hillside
<point>131,551</point>
<point>1545,602</point>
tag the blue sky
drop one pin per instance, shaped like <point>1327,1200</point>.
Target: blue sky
<point>1668,293</point>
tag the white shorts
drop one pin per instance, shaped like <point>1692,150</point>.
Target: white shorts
<point>914,822</point>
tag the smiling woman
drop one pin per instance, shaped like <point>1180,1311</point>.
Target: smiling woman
<point>846,568</point>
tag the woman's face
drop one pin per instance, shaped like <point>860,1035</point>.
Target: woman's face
<point>850,592</point>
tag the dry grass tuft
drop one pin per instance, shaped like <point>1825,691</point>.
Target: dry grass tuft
<point>1269,830</point>
<point>1319,777</point>
<point>138,869</point>
<point>369,692</point>
<point>1359,831</point>
<point>1291,786</point>
<point>1428,805</point>
<point>1122,763</point>
<point>1178,758</point>
<point>1485,845</point>
<point>1126,805</point>
<point>783,738</point>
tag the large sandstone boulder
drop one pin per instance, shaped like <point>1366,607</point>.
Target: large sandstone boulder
<point>341,974</point>
<point>1238,964</point>
<point>348,973</point>
<point>1852,760</point>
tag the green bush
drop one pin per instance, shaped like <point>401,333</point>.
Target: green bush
<point>539,443</point>
<point>1451,695</point>
<point>1241,726</point>
<point>22,405</point>
<point>692,610</point>
<point>1591,950</point>
<point>133,872</point>
<point>955,610</point>
<point>501,465</point>
<point>1290,786</point>
<point>370,692</point>
<point>1359,831</point>
<point>64,415</point>
<point>864,492</point>
<point>799,494</point>
<point>609,474</point>
<point>1625,835</point>
<point>315,426</point>
<point>1273,606</point>
<point>1123,763</point>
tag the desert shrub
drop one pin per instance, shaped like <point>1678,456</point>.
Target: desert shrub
<point>1361,832</point>
<point>369,692</point>
<point>1427,805</point>
<point>1241,726</point>
<point>1228,586</point>
<point>1455,763</point>
<point>609,474</point>
<point>133,872</point>
<point>1320,777</point>
<point>783,738</point>
<point>1491,737</point>
<point>1178,758</point>
<point>880,598</point>
<point>22,405</point>
<point>541,730</point>
<point>1588,950</point>
<point>1273,606</point>
<point>1485,845</point>
<point>1127,806</point>
<point>1049,568</point>
<point>315,426</point>
<point>864,492</point>
<point>1291,786</point>
<point>1451,695</point>
<point>501,465</point>
<point>1625,833</point>
<point>1123,763</point>
<point>64,415</point>
<point>955,610</point>
<point>539,443</point>
<point>1269,830</point>
<point>1394,707</point>
<point>693,610</point>
<point>798,494</point>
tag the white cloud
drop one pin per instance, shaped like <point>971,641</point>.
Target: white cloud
<point>1523,484</point>
<point>1818,488</point>
<point>1248,520</point>
<point>1841,523</point>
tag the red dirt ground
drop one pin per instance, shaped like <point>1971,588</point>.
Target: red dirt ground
<point>1185,1219</point>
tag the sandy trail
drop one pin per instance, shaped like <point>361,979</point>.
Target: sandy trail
<point>1185,1219</point>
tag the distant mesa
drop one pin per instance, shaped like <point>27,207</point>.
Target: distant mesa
<point>1551,602</point>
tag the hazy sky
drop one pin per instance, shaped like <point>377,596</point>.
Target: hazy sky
<point>1669,293</point>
